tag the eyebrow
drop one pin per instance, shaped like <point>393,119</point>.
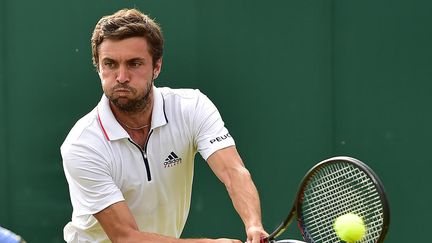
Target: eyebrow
<point>129,60</point>
<point>136,59</point>
<point>108,59</point>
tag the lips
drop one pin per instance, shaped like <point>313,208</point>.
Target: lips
<point>122,90</point>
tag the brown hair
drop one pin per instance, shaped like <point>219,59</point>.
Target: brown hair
<point>124,24</point>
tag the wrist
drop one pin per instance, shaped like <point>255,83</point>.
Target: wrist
<point>254,225</point>
<point>252,229</point>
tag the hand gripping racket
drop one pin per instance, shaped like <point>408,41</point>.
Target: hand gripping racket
<point>332,188</point>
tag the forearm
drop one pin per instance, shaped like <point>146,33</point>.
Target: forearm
<point>145,237</point>
<point>244,196</point>
<point>120,226</point>
<point>229,168</point>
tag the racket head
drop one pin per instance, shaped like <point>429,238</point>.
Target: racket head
<point>337,186</point>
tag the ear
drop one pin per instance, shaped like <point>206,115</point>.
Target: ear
<point>157,68</point>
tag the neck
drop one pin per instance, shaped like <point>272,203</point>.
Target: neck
<point>136,120</point>
<point>135,128</point>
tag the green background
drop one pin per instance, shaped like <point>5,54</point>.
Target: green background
<point>297,81</point>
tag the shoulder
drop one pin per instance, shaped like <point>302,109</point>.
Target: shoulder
<point>184,97</point>
<point>181,100</point>
<point>85,147</point>
<point>180,94</point>
<point>85,133</point>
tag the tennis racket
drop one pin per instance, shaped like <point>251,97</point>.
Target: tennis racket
<point>332,188</point>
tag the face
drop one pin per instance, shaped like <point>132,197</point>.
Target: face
<point>127,72</point>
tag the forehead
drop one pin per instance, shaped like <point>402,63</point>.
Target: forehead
<point>134,47</point>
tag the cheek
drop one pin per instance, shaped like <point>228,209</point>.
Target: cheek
<point>104,81</point>
<point>105,77</point>
<point>103,84</point>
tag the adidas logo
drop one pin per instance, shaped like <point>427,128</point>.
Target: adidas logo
<point>172,160</point>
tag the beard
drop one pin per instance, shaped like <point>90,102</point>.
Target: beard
<point>131,105</point>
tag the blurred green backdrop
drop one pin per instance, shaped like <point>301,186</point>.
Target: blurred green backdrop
<point>297,81</point>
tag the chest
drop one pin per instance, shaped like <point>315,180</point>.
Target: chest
<point>139,137</point>
<point>159,155</point>
<point>160,172</point>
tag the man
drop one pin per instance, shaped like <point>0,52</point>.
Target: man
<point>129,162</point>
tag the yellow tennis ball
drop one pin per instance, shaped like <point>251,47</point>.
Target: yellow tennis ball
<point>349,227</point>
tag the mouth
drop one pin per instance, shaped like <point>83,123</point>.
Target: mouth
<point>122,90</point>
<point>122,93</point>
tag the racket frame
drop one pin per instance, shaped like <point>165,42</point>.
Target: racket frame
<point>296,208</point>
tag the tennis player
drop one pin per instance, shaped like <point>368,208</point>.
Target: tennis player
<point>129,162</point>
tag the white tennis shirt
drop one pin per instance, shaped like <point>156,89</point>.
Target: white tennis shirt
<point>103,166</point>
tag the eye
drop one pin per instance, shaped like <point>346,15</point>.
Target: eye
<point>135,64</point>
<point>109,64</point>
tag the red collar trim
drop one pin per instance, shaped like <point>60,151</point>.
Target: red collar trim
<point>102,127</point>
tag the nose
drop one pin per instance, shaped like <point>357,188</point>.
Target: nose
<point>122,74</point>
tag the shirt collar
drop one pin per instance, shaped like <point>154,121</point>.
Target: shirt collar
<point>112,128</point>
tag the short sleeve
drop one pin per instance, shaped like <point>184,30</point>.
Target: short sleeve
<point>210,131</point>
<point>91,185</point>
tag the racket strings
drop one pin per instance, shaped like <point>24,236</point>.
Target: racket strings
<point>335,190</point>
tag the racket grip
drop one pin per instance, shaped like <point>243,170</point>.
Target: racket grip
<point>263,240</point>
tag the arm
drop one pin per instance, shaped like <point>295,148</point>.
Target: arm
<point>120,226</point>
<point>229,168</point>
